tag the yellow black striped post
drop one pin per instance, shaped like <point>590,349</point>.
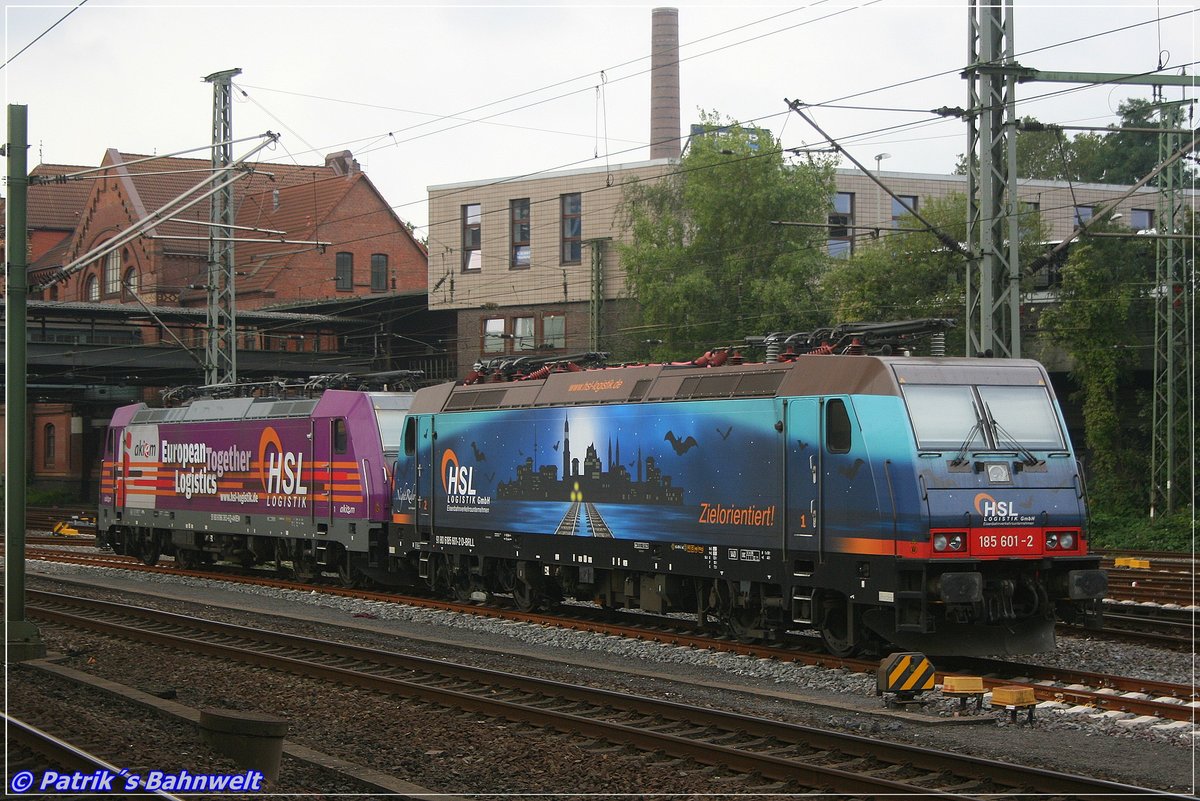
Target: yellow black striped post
<point>905,674</point>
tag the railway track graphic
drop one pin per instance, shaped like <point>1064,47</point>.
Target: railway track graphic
<point>583,519</point>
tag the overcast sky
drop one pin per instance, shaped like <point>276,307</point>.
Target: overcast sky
<point>428,94</point>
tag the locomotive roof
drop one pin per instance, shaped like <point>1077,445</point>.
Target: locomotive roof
<point>807,375</point>
<point>331,403</point>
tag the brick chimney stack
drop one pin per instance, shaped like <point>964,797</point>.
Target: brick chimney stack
<point>342,162</point>
<point>664,83</point>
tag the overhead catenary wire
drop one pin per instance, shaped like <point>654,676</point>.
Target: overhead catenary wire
<point>806,23</point>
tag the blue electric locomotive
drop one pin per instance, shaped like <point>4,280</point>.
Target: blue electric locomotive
<point>932,504</point>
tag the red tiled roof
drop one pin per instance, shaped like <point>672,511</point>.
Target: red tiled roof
<point>56,206</point>
<point>299,210</point>
<point>158,181</point>
<point>53,258</point>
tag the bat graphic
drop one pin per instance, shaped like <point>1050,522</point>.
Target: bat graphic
<point>851,471</point>
<point>681,446</point>
<point>480,456</point>
<point>491,476</point>
<point>557,444</point>
<point>725,434</point>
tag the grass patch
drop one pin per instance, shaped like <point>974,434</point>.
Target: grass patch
<point>1128,531</point>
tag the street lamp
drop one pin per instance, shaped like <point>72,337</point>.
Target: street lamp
<point>879,197</point>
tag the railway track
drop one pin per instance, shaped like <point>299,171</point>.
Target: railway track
<point>1082,688</point>
<point>754,755</point>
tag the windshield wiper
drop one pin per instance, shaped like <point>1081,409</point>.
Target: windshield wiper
<point>962,451</point>
<point>997,430</point>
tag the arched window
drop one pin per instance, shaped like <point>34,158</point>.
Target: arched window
<point>91,289</point>
<point>130,282</point>
<point>112,273</point>
<point>48,445</point>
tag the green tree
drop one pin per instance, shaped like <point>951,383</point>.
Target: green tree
<point>905,275</point>
<point>1114,156</point>
<point>705,264</point>
<point>909,273</point>
<point>1103,297</point>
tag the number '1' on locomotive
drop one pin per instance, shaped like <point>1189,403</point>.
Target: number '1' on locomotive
<point>932,504</point>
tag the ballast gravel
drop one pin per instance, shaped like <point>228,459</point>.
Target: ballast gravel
<point>1152,754</point>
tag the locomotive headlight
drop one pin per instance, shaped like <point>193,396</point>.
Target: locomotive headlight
<point>953,541</point>
<point>997,473</point>
<point>1064,540</point>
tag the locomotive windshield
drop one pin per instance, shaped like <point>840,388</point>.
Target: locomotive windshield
<point>983,417</point>
<point>390,412</point>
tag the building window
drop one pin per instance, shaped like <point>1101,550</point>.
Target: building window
<point>523,336</point>
<point>493,335</point>
<point>519,212</point>
<point>345,272</point>
<point>130,282</point>
<point>572,228</point>
<point>379,272</point>
<point>1141,219</point>
<point>554,331</point>
<point>841,238</point>
<point>1083,214</point>
<point>901,205</point>
<point>49,444</point>
<point>472,255</point>
<point>112,273</point>
<point>91,289</point>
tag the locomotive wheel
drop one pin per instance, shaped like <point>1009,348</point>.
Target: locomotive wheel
<point>526,595</point>
<point>834,628</point>
<point>304,568</point>
<point>281,555</point>
<point>149,550</point>
<point>348,574</point>
<point>746,625</point>
<point>743,622</point>
<point>460,586</point>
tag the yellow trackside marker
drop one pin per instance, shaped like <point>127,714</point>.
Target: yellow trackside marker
<point>1129,561</point>
<point>964,688</point>
<point>1013,698</point>
<point>905,674</point>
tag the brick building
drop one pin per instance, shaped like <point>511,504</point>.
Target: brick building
<point>310,237</point>
<point>529,265</point>
<point>513,257</point>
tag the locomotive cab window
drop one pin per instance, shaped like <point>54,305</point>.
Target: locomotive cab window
<point>1022,415</point>
<point>339,436</point>
<point>410,436</point>
<point>837,427</point>
<point>944,417</point>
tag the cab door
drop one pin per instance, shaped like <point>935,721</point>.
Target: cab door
<point>426,469</point>
<point>849,497</point>
<point>329,446</point>
<point>803,470</point>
